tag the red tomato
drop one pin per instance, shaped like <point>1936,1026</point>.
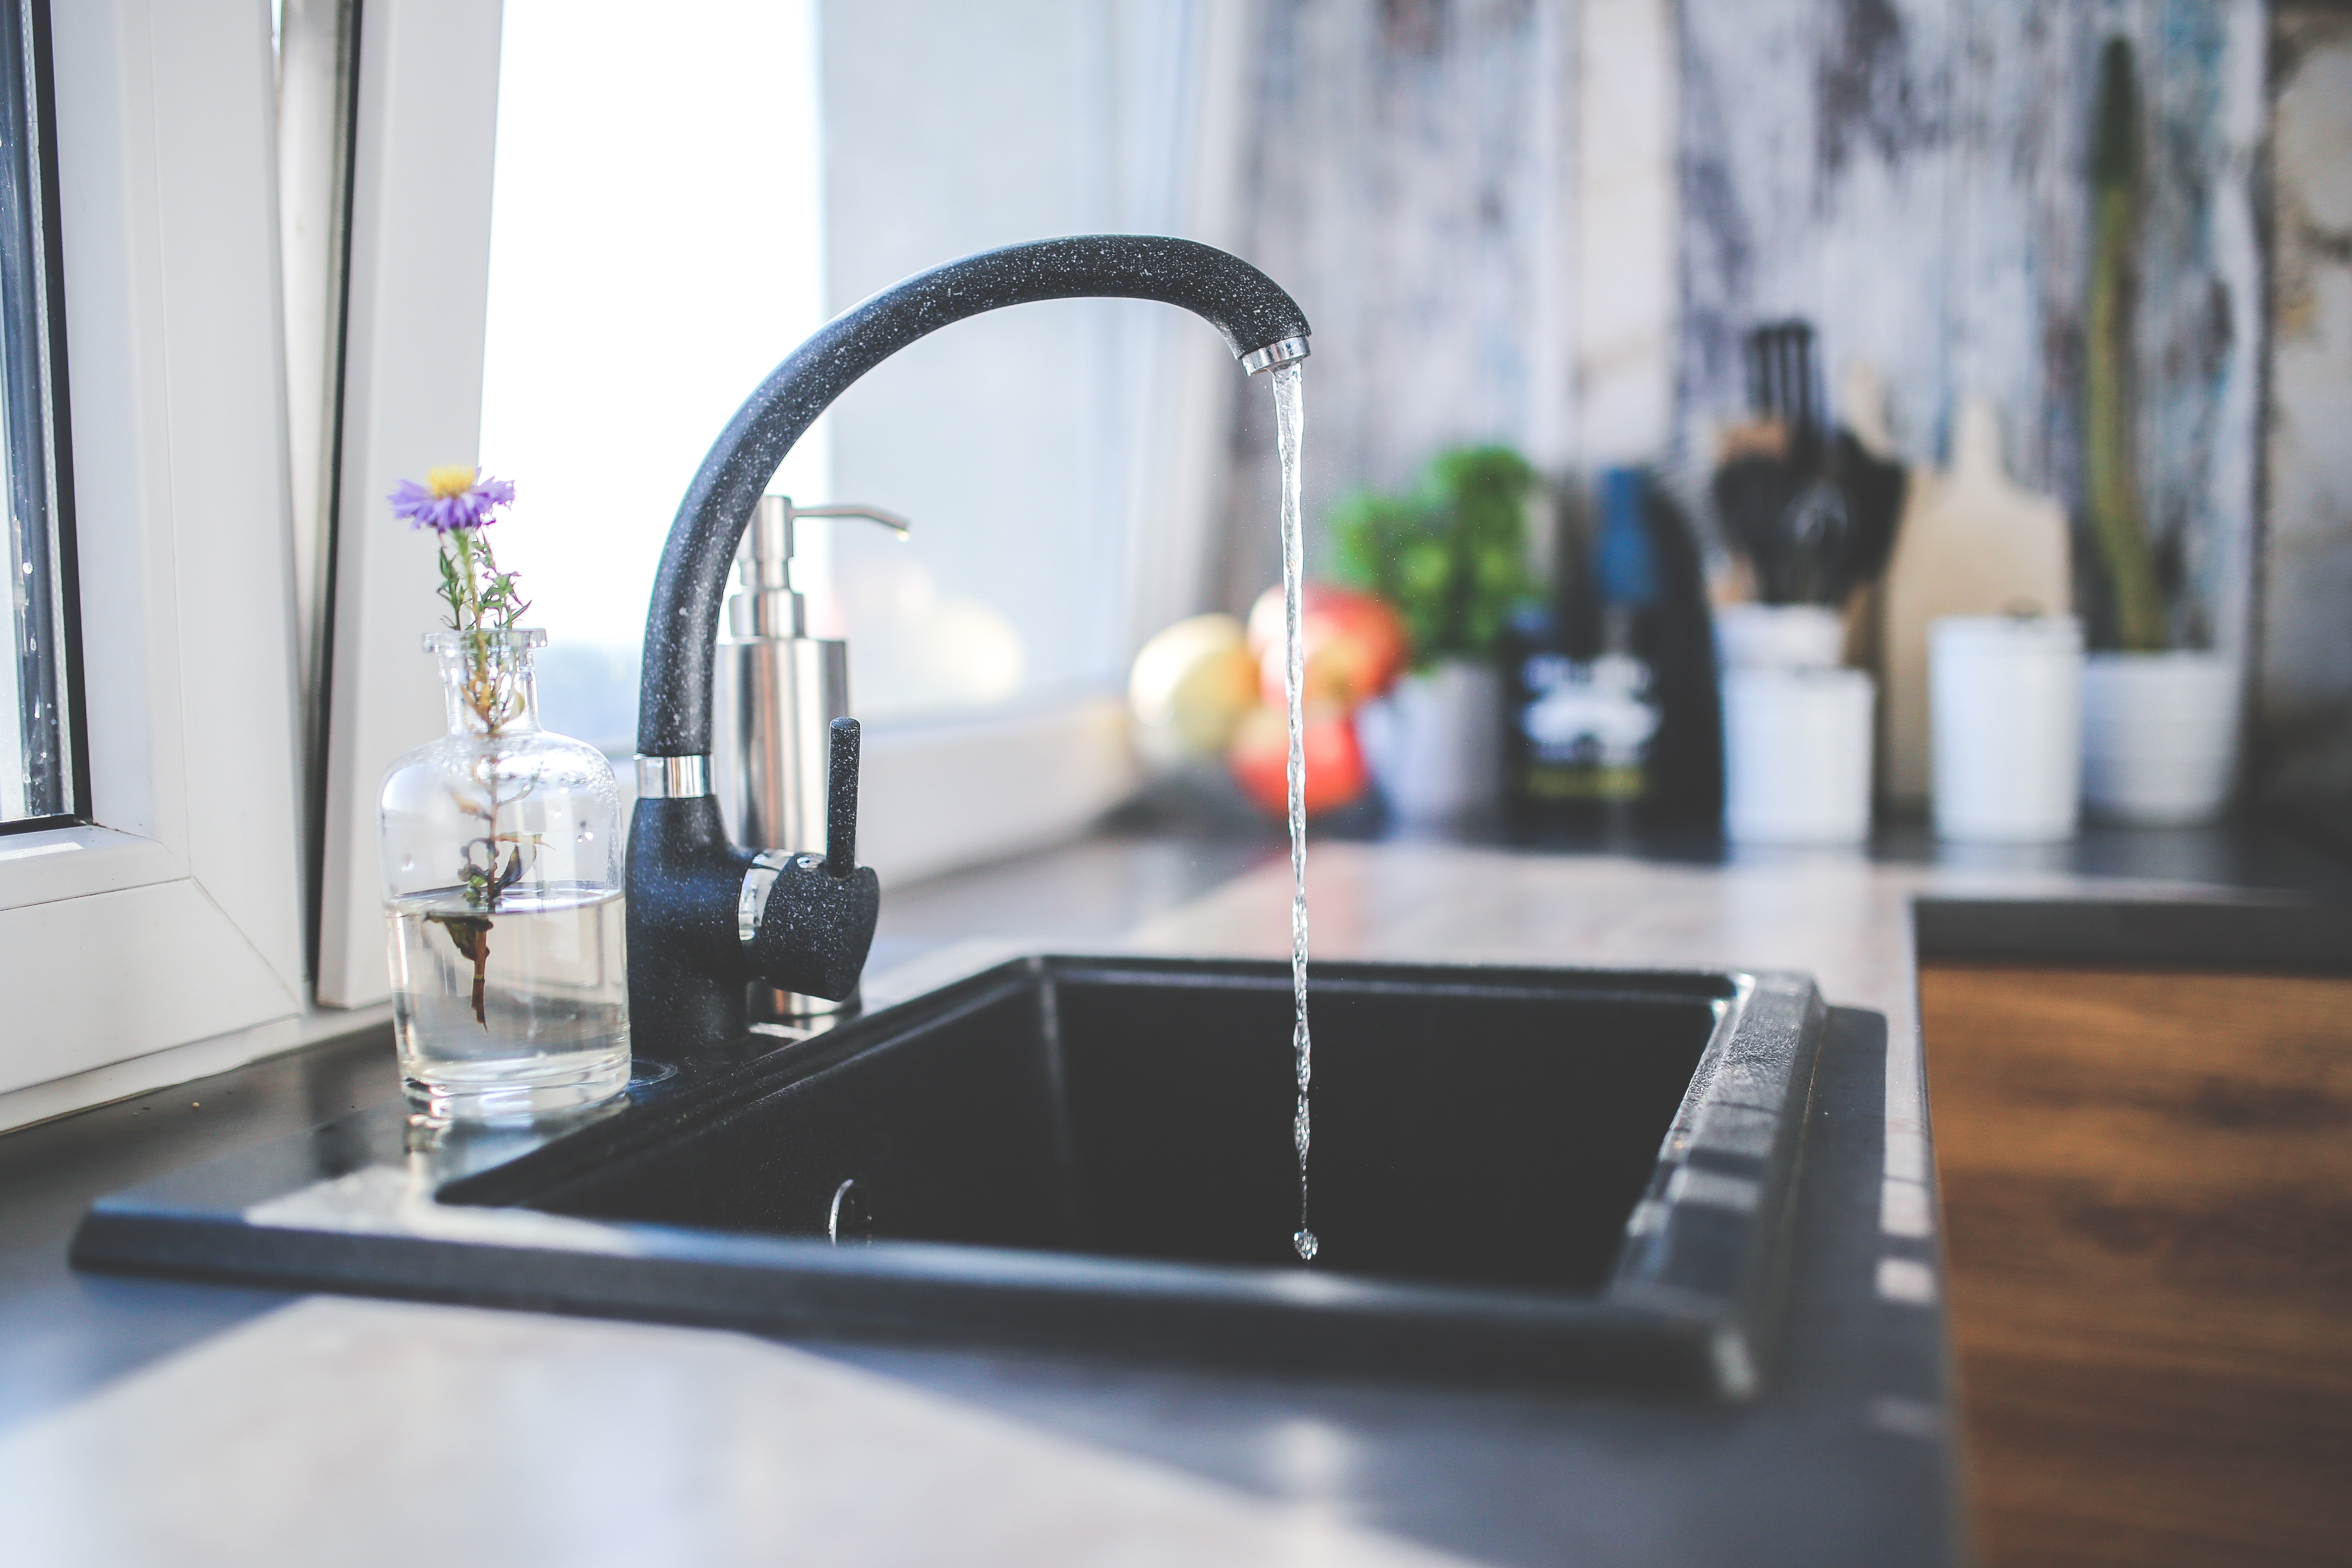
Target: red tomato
<point>1260,758</point>
<point>1355,644</point>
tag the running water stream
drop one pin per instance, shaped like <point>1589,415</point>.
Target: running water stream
<point>1289,418</point>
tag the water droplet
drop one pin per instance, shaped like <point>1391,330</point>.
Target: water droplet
<point>1306,1244</point>
<point>408,862</point>
<point>587,834</point>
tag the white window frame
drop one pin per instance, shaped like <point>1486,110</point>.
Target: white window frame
<point>164,938</point>
<point>423,152</point>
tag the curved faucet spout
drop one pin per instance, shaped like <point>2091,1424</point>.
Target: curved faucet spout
<point>1263,325</point>
<point>705,918</point>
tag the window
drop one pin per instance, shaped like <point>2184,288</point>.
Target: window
<point>655,250</point>
<point>41,753</point>
<point>151,929</point>
<point>153,915</point>
<point>676,207</point>
<point>667,206</point>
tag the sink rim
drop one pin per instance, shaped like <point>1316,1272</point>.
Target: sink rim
<point>1677,1272</point>
<point>1692,1303</point>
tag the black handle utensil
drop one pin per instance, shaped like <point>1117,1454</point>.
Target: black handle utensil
<point>1816,517</point>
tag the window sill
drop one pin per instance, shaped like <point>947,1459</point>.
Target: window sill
<point>76,862</point>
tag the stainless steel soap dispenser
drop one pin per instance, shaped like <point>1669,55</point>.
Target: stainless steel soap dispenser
<point>778,693</point>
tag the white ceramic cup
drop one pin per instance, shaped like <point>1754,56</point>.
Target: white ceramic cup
<point>2004,697</point>
<point>2159,736</point>
<point>1796,755</point>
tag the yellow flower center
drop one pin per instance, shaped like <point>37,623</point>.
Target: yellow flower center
<point>445,482</point>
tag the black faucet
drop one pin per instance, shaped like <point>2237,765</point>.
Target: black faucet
<point>705,919</point>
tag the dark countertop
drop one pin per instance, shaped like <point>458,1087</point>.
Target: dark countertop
<point>1848,1457</point>
<point>2268,852</point>
<point>63,1334</point>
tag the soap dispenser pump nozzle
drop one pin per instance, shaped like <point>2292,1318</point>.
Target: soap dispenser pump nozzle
<point>773,601</point>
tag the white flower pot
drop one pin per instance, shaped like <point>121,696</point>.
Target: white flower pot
<point>1434,743</point>
<point>2159,736</point>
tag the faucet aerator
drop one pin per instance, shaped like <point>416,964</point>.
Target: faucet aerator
<point>1273,356</point>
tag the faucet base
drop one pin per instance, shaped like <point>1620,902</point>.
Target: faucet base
<point>766,1005</point>
<point>689,966</point>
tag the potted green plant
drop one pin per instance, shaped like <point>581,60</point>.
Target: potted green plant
<point>1451,556</point>
<point>2159,720</point>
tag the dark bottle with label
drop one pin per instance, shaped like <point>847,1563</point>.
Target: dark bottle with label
<point>1611,719</point>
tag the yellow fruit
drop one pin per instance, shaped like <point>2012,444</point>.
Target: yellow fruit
<point>1191,686</point>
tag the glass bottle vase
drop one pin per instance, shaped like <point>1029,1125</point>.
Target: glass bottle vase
<point>502,869</point>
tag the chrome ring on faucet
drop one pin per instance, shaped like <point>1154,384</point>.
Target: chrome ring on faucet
<point>758,883</point>
<point>1290,351</point>
<point>673,778</point>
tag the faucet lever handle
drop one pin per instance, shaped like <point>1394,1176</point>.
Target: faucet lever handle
<point>841,800</point>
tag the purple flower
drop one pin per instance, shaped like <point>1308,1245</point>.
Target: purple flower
<point>451,498</point>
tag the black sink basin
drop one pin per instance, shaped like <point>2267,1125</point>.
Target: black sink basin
<point>1549,1176</point>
